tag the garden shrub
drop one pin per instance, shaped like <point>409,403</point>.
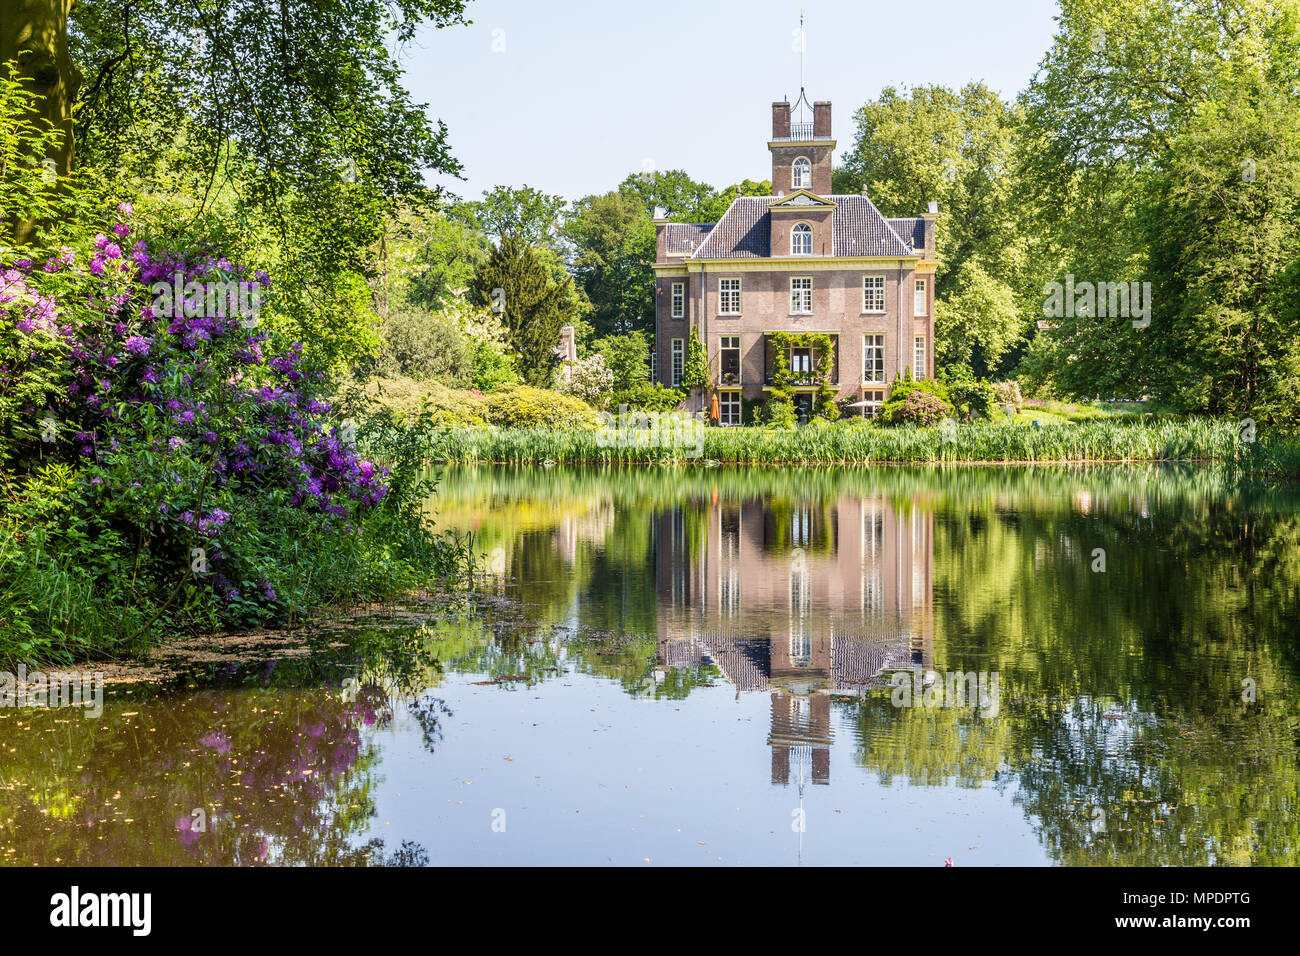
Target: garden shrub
<point>588,379</point>
<point>778,411</point>
<point>919,407</point>
<point>167,463</point>
<point>972,397</point>
<point>646,397</point>
<point>523,406</point>
<point>1008,393</point>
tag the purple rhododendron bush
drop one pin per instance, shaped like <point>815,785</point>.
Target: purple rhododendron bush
<point>167,466</point>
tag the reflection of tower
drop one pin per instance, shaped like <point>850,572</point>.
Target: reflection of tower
<point>805,599</point>
<point>801,729</point>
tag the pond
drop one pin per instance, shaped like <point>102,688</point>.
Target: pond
<point>714,666</point>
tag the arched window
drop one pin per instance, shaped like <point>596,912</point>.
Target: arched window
<point>802,174</point>
<point>801,240</point>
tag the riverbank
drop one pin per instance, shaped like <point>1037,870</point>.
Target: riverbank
<point>1203,440</point>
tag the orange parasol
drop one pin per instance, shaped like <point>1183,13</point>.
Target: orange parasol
<point>713,407</point>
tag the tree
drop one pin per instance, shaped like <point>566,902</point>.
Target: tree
<point>311,93</point>
<point>514,282</point>
<point>1127,111</point>
<point>625,355</point>
<point>681,198</point>
<point>956,148</point>
<point>529,213</point>
<point>440,257</point>
<point>695,371</point>
<point>1224,239</point>
<point>613,243</point>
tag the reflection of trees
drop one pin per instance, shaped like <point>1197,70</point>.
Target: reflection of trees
<point>1120,690</point>
<point>1125,733</point>
<point>275,760</point>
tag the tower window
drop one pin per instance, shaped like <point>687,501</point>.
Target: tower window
<point>919,305</point>
<point>679,299</point>
<point>801,240</point>
<point>801,177</point>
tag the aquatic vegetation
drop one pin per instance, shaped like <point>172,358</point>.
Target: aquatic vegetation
<point>859,442</point>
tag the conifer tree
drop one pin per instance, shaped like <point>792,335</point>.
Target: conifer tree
<point>515,284</point>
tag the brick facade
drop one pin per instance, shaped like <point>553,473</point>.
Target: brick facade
<point>752,243</point>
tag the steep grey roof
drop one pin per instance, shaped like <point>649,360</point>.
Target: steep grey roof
<point>859,229</point>
<point>683,238</point>
<point>744,231</point>
<point>912,230</point>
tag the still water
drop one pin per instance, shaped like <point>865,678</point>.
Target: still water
<point>712,666</point>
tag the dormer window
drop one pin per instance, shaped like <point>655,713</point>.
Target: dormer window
<point>801,240</point>
<point>801,177</point>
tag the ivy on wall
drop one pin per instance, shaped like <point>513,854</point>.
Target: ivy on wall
<point>781,398</point>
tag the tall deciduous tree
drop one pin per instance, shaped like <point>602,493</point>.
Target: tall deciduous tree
<point>613,243</point>
<point>955,148</point>
<point>300,98</point>
<point>1126,120</point>
<point>528,213</point>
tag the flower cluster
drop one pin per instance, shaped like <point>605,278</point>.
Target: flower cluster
<point>182,418</point>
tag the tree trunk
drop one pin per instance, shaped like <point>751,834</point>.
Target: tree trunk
<point>35,33</point>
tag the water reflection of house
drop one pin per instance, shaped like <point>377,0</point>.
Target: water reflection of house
<point>801,599</point>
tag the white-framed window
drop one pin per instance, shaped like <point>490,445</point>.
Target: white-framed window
<point>873,293</point>
<point>801,295</point>
<point>728,297</point>
<point>801,174</point>
<point>729,408</point>
<point>679,360</point>
<point>654,363</point>
<point>873,358</point>
<point>918,299</point>
<point>918,358</point>
<point>801,362</point>
<point>801,239</point>
<point>874,399</point>
<point>679,300</point>
<point>729,360</point>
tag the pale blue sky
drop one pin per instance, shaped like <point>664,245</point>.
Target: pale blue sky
<point>570,97</point>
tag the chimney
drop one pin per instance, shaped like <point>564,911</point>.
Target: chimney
<point>931,215</point>
<point>822,119</point>
<point>781,120</point>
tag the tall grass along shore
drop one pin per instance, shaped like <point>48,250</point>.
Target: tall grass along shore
<point>1097,441</point>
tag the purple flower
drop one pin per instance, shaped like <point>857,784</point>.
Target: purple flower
<point>137,345</point>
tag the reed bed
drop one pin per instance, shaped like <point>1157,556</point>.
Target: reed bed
<point>1100,441</point>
